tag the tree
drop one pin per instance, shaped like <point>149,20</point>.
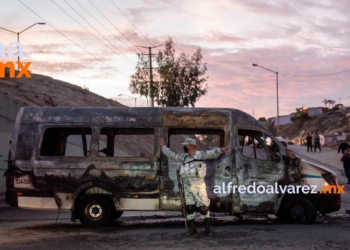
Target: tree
<point>331,102</point>
<point>298,110</point>
<point>325,101</point>
<point>299,117</point>
<point>178,80</point>
<point>262,119</point>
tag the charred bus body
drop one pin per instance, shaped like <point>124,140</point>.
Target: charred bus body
<point>99,162</point>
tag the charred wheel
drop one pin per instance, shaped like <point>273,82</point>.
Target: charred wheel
<point>299,210</point>
<point>94,210</point>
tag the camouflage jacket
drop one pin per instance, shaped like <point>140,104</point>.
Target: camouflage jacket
<point>198,155</point>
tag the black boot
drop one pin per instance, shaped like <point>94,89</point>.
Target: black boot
<point>208,231</point>
<point>191,228</point>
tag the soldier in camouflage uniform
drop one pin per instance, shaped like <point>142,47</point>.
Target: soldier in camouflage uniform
<point>192,172</point>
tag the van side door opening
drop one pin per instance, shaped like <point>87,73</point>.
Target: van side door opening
<point>132,165</point>
<point>217,171</point>
<point>258,162</point>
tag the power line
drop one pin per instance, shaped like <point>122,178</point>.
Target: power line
<point>79,77</point>
<point>131,22</point>
<point>71,39</point>
<point>98,31</point>
<point>328,74</point>
<point>103,25</point>
<point>113,25</point>
<point>82,26</point>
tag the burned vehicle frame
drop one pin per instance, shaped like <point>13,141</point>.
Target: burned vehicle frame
<point>99,162</point>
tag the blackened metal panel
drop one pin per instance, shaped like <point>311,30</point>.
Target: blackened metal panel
<point>92,116</point>
<point>27,142</point>
<point>121,178</point>
<point>195,117</point>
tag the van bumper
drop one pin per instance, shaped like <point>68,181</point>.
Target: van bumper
<point>12,195</point>
<point>328,203</point>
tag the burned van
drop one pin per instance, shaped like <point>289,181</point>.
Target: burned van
<point>99,162</point>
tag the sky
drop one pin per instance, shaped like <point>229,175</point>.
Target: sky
<point>93,44</point>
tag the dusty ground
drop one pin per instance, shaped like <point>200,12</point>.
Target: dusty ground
<point>38,230</point>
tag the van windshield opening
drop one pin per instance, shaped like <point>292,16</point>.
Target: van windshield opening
<point>257,145</point>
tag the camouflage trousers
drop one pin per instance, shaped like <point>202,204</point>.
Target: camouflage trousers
<point>195,194</point>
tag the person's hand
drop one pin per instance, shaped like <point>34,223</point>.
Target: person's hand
<point>161,142</point>
<point>225,149</point>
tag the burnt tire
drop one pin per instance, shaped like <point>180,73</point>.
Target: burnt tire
<point>94,210</point>
<point>299,210</point>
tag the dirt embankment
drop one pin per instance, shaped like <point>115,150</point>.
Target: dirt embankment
<point>333,122</point>
<point>43,90</point>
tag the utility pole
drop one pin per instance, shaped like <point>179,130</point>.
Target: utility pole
<point>150,69</point>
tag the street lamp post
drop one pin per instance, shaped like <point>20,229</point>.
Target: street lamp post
<point>130,97</point>
<point>278,121</point>
<point>18,33</point>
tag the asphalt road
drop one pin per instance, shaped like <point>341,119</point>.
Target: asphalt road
<point>23,229</point>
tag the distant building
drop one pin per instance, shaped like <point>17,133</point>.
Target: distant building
<point>283,119</point>
<point>318,111</point>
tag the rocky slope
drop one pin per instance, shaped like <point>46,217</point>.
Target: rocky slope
<point>43,90</point>
<point>332,122</point>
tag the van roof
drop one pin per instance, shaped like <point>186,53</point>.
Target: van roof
<point>218,117</point>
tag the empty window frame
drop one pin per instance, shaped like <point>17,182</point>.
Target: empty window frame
<point>206,139</point>
<point>126,142</point>
<point>66,142</point>
<point>257,145</point>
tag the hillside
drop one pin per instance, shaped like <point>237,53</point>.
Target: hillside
<point>332,122</point>
<point>43,90</point>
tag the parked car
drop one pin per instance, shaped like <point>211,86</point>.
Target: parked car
<point>282,140</point>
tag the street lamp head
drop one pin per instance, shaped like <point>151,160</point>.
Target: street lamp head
<point>254,64</point>
<point>41,23</point>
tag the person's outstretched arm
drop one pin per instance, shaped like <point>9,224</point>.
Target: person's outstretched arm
<point>170,154</point>
<point>213,154</point>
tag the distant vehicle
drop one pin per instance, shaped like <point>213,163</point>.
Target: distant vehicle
<point>282,140</point>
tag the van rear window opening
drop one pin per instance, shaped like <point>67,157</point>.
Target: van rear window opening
<point>126,142</point>
<point>66,142</point>
<point>206,139</point>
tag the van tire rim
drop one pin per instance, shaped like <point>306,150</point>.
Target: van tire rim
<point>95,211</point>
<point>299,209</point>
<point>297,212</point>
